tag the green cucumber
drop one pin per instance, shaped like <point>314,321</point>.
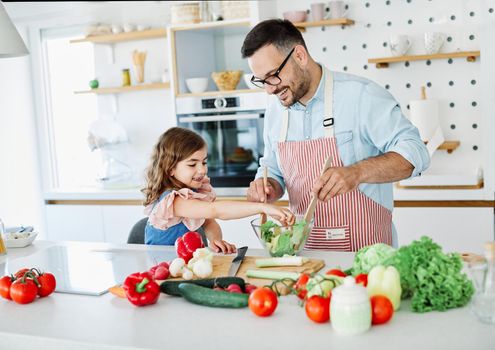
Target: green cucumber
<point>210,297</point>
<point>172,287</point>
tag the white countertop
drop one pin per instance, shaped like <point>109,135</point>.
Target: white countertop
<point>63,321</point>
<point>89,193</point>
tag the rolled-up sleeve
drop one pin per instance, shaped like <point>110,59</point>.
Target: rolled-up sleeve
<point>389,130</point>
<point>270,138</point>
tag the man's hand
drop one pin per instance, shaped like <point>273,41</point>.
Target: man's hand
<point>264,194</point>
<point>336,181</point>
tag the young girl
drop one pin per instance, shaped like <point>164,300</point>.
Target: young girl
<point>179,197</point>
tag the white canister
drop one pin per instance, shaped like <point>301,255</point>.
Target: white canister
<point>350,308</point>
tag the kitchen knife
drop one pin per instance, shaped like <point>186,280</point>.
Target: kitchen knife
<point>237,261</point>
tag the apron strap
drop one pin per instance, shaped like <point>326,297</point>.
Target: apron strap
<point>285,126</point>
<point>328,118</point>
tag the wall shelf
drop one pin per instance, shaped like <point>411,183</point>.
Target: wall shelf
<point>326,22</point>
<point>449,146</point>
<point>120,37</point>
<point>385,61</point>
<point>442,187</point>
<point>212,25</point>
<point>122,89</point>
<point>219,93</point>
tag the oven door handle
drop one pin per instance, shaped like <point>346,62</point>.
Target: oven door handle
<point>220,118</point>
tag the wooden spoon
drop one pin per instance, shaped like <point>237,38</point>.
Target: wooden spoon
<point>310,212</point>
<point>265,184</point>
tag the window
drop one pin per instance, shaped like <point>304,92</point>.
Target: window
<point>68,68</point>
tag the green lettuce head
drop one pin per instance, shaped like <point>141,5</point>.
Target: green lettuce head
<point>368,257</point>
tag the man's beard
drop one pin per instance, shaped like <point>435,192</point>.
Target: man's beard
<point>300,89</point>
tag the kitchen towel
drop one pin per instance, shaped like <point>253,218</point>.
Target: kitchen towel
<point>424,115</point>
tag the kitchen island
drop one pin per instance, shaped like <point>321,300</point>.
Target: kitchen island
<point>63,321</point>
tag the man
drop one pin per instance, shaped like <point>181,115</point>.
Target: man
<point>317,115</point>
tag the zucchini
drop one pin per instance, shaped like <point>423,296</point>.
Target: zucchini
<point>210,297</point>
<point>172,287</point>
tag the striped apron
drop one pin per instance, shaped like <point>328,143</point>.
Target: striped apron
<point>346,222</point>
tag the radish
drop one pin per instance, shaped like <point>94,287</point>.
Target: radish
<point>250,288</point>
<point>164,264</point>
<point>234,288</point>
<point>161,273</point>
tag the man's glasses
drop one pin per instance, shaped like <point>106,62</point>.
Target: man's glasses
<point>273,79</point>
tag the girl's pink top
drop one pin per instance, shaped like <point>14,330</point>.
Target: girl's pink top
<point>162,215</point>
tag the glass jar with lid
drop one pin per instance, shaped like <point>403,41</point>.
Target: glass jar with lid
<point>3,249</point>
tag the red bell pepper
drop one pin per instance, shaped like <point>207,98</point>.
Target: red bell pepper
<point>140,289</point>
<point>187,244</point>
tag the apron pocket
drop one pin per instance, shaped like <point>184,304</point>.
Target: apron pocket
<point>330,238</point>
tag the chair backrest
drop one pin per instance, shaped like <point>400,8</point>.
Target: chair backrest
<point>136,236</point>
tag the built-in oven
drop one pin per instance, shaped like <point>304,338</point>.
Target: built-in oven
<point>232,126</point>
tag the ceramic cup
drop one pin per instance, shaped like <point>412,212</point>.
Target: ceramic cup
<point>433,42</point>
<point>117,28</point>
<point>318,11</point>
<point>337,9</point>
<point>399,44</point>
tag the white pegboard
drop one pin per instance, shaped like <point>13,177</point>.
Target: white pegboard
<point>456,82</point>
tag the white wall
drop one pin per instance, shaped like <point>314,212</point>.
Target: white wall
<point>20,190</point>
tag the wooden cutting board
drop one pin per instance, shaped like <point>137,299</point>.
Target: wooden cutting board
<point>221,266</point>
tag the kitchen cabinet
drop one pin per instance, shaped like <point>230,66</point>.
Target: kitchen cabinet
<point>455,229</point>
<point>95,223</point>
<point>74,223</point>
<point>197,50</point>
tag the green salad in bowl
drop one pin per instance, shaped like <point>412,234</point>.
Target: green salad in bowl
<point>279,240</point>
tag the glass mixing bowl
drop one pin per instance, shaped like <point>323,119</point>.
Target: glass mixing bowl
<point>278,240</point>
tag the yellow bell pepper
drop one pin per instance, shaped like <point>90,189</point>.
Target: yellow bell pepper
<point>385,281</point>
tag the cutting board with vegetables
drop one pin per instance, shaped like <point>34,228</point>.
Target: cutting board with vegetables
<point>221,265</point>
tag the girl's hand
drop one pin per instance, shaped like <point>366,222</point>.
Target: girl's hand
<point>222,246</point>
<point>284,215</point>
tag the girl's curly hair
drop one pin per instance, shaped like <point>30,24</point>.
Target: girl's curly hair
<point>174,145</point>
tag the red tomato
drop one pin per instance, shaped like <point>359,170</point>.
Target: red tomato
<point>382,309</point>
<point>263,301</point>
<point>362,278</point>
<point>318,309</point>
<point>336,272</point>
<point>23,291</point>
<point>300,286</point>
<point>47,284</point>
<point>21,273</point>
<point>5,283</point>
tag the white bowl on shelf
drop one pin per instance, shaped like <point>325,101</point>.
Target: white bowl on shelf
<point>19,240</point>
<point>197,85</point>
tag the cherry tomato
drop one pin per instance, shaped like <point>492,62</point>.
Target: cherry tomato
<point>47,284</point>
<point>5,283</point>
<point>263,301</point>
<point>336,272</point>
<point>362,278</point>
<point>300,286</point>
<point>23,291</point>
<point>318,308</point>
<point>382,309</point>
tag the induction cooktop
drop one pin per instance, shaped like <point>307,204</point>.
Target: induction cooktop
<point>83,270</point>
